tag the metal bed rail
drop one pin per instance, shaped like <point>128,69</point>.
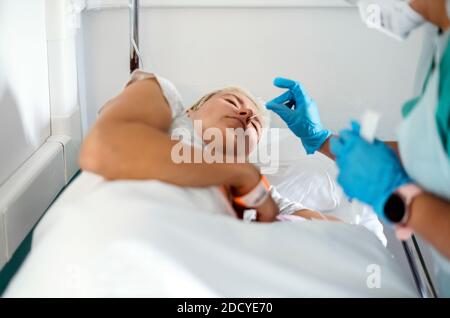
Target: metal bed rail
<point>419,269</point>
<point>135,56</point>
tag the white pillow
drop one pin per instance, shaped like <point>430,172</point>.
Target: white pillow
<point>298,177</point>
<point>311,180</point>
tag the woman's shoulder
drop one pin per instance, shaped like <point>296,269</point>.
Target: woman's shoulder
<point>169,90</point>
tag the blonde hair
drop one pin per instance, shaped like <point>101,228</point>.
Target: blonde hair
<point>258,102</point>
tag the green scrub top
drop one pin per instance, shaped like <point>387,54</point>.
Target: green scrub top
<point>443,109</point>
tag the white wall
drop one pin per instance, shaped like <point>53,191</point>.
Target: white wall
<point>345,66</point>
<point>24,93</point>
<point>62,32</point>
<point>39,112</point>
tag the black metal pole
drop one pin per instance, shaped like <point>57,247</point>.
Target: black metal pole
<point>134,35</point>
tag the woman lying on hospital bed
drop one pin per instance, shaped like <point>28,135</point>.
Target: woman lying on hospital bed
<point>147,238</point>
<point>132,140</point>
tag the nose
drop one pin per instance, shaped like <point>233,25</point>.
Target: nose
<point>245,113</point>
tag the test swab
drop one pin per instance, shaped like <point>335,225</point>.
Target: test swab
<point>369,123</point>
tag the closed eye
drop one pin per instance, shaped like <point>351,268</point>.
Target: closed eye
<point>231,102</point>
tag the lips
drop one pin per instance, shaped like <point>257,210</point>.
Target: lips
<point>239,120</point>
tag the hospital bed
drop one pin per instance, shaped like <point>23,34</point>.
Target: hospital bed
<point>146,238</point>
<point>84,183</point>
<point>133,238</point>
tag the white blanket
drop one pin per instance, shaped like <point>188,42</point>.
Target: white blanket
<point>137,239</point>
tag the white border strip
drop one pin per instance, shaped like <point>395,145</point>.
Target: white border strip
<point>111,4</point>
<point>26,195</point>
<point>3,250</point>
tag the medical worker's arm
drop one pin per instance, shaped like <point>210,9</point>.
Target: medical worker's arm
<point>325,149</point>
<point>430,218</point>
<point>300,113</point>
<point>371,172</point>
<point>434,11</point>
<point>131,140</point>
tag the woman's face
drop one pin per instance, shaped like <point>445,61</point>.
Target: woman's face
<point>231,110</point>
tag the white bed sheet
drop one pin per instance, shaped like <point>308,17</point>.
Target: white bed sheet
<point>146,238</point>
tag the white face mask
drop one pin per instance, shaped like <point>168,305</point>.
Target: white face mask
<point>395,18</point>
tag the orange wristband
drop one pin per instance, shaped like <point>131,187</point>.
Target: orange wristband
<point>257,196</point>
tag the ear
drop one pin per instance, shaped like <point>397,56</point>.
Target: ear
<point>192,114</point>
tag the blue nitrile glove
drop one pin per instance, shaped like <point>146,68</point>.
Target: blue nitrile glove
<point>369,172</point>
<point>300,114</point>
